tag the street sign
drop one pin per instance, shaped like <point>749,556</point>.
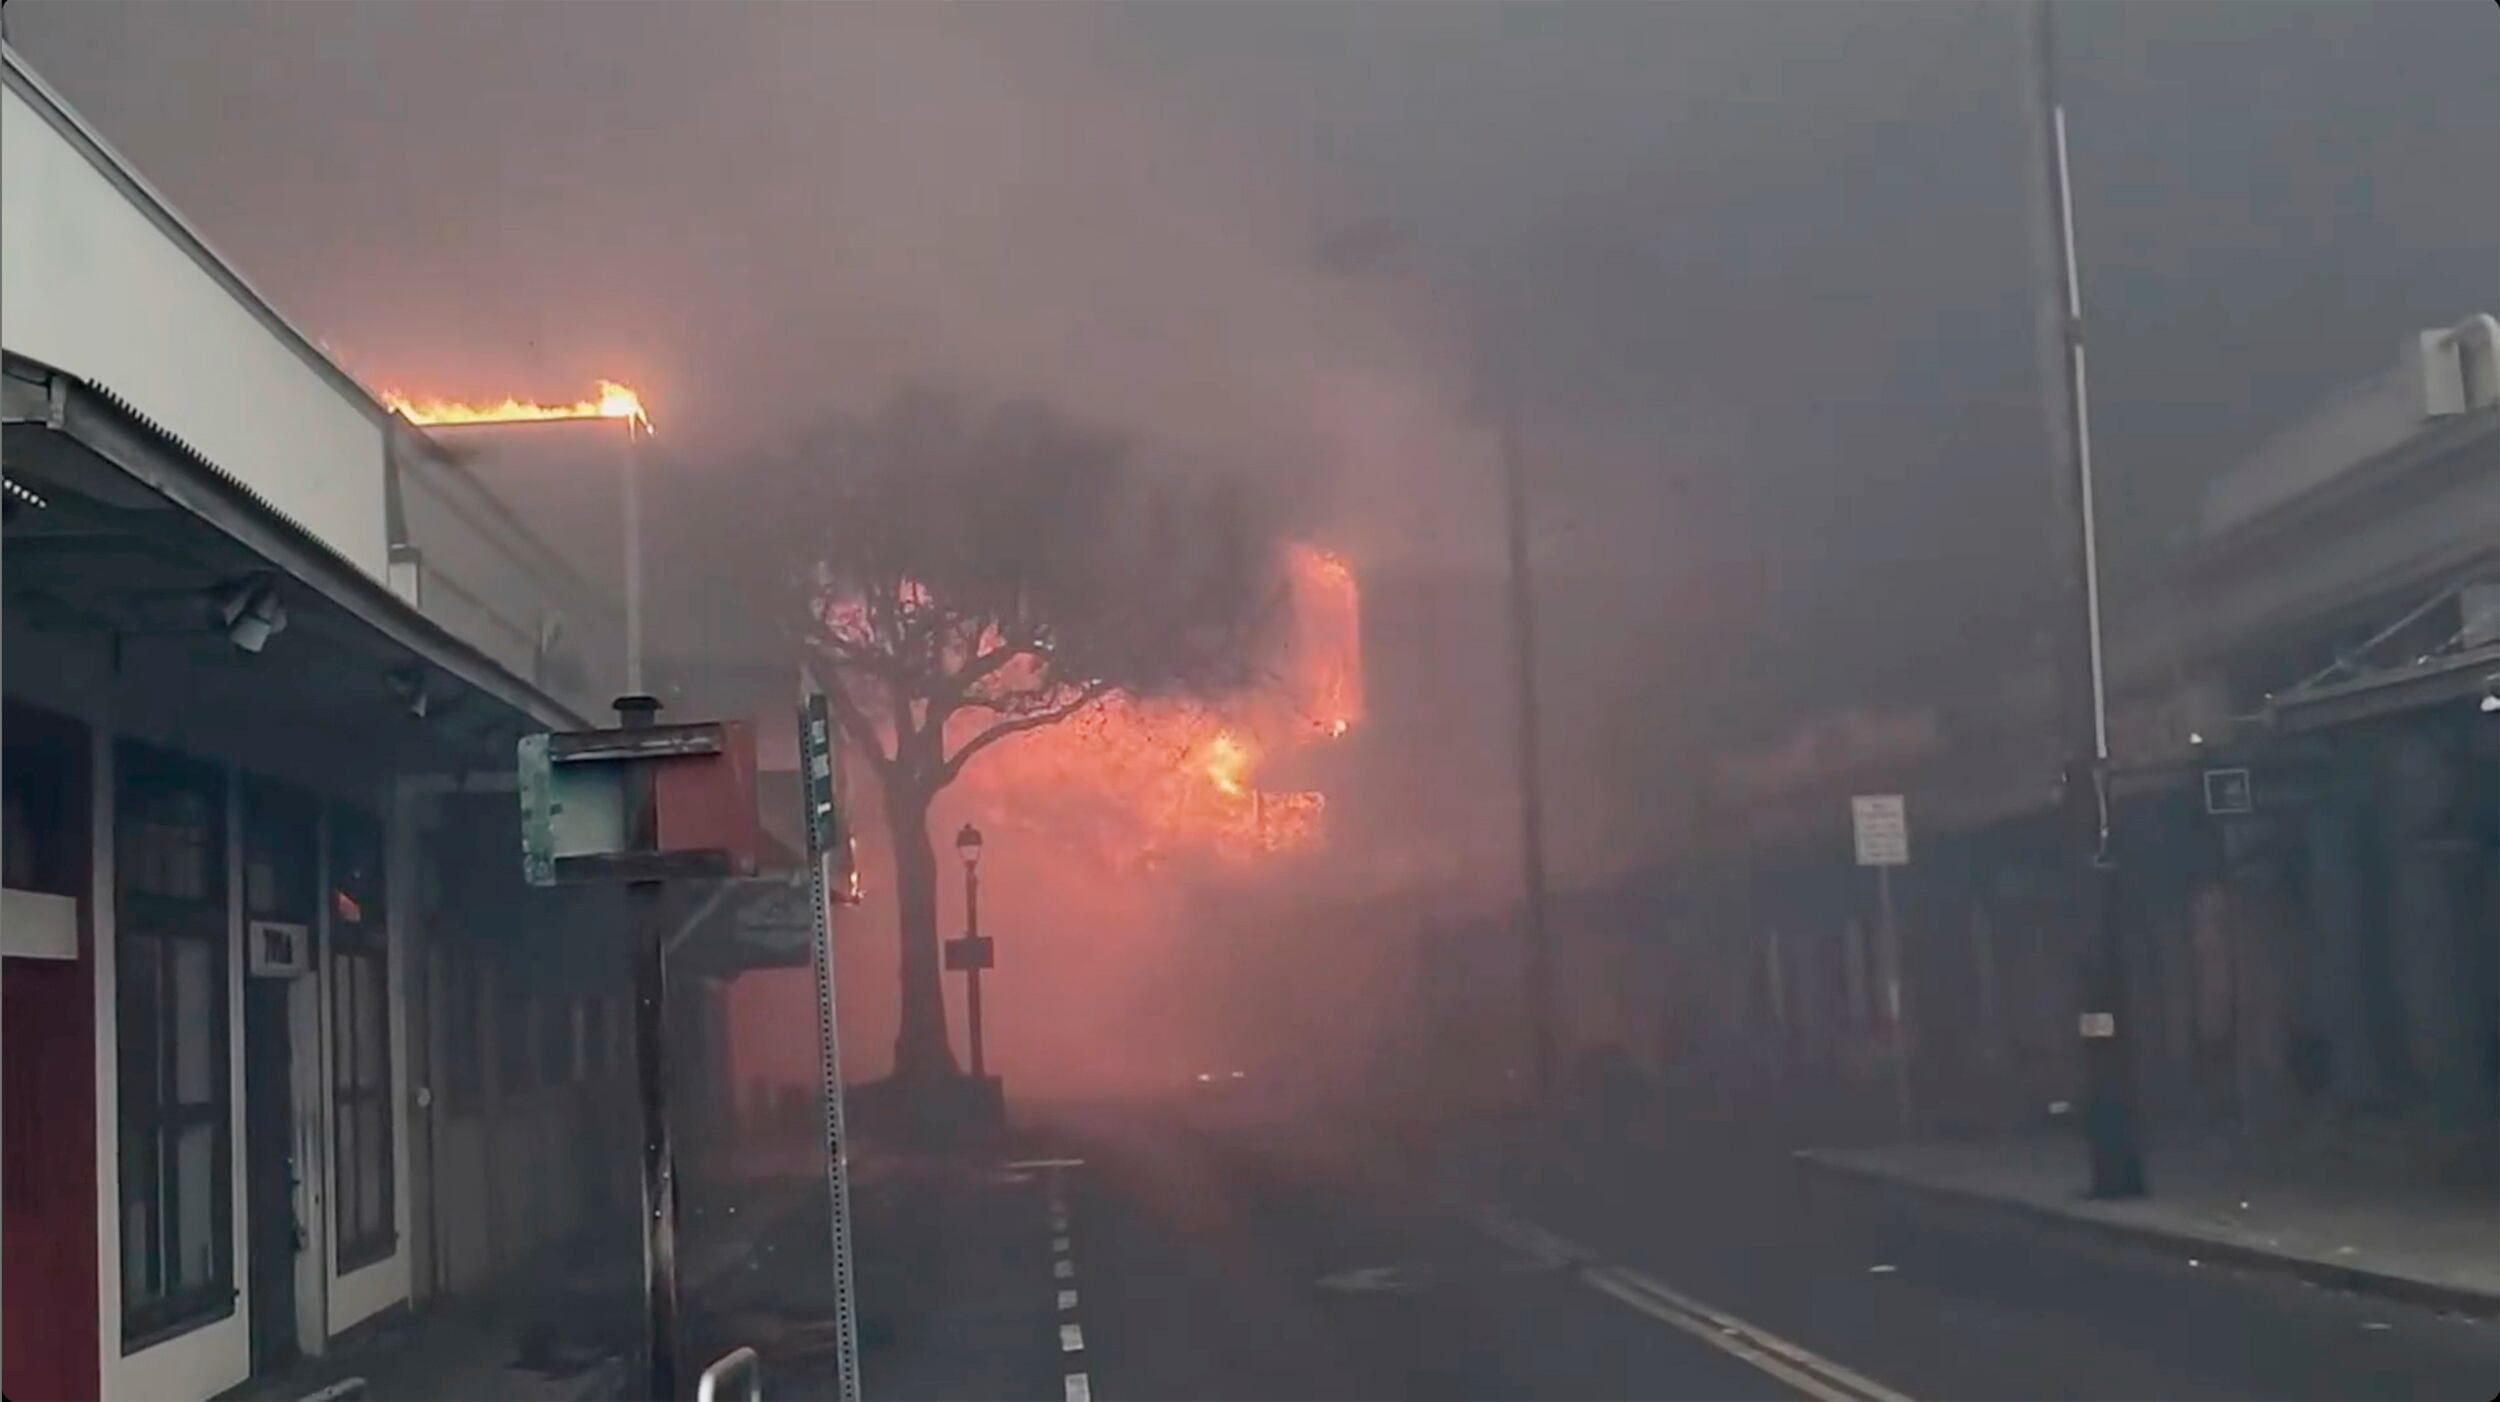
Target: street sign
<point>969,953</point>
<point>2229,791</point>
<point>576,800</point>
<point>1881,824</point>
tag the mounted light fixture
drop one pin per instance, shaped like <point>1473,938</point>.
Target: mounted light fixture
<point>408,684</point>
<point>251,612</point>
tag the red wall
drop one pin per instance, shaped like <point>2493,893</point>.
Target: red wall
<point>47,1118</point>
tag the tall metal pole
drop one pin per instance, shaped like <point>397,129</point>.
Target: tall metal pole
<point>827,833</point>
<point>634,434</point>
<point>2117,1162</point>
<point>1531,768</point>
<point>972,973</point>
<point>659,1159</point>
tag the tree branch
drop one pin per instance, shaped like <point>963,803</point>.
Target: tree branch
<point>1092,692</point>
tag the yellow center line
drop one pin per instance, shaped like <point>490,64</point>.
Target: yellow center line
<point>1801,1368</point>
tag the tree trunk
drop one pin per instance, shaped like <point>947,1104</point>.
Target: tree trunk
<point>921,1050</point>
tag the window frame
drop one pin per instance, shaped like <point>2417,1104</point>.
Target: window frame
<point>149,925</point>
<point>356,880</point>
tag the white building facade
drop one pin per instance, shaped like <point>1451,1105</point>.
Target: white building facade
<point>267,992</point>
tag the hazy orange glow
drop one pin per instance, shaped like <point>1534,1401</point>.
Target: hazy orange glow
<point>1137,784</point>
<point>613,401</point>
<point>1327,670</point>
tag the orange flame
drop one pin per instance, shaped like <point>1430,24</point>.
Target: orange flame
<point>1138,783</point>
<point>614,401</point>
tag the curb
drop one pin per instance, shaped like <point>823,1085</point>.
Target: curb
<point>2359,1280</point>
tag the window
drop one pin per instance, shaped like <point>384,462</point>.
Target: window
<point>171,1029</point>
<point>362,1169</point>
<point>43,842</point>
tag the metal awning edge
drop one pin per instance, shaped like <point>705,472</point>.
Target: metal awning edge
<point>2449,678</point>
<point>108,426</point>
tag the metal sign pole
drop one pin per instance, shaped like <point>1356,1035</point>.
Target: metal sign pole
<point>659,1161</point>
<point>824,840</point>
<point>1893,1001</point>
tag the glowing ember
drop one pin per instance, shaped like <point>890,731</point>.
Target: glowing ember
<point>613,401</point>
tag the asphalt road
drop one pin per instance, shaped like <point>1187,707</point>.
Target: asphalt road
<point>1214,1252</point>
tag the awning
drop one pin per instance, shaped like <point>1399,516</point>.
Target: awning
<point>2448,679</point>
<point>117,528</point>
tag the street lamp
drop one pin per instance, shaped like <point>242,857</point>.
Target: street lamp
<point>971,953</point>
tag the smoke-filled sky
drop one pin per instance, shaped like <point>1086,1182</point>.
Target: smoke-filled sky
<point>1760,269</point>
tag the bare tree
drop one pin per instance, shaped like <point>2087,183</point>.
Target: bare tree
<point>974,571</point>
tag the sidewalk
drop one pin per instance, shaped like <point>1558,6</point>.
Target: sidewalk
<point>2404,1239</point>
<point>952,1283</point>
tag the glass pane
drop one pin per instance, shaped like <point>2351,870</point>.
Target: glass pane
<point>343,1173</point>
<point>196,994</point>
<point>194,1235</point>
<point>342,1022</point>
<point>139,1196</point>
<point>374,1143</point>
<point>138,1015</point>
<point>373,1024</point>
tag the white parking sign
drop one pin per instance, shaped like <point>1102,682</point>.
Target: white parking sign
<point>1882,825</point>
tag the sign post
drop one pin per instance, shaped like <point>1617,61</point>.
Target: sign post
<point>828,842</point>
<point>1880,825</point>
<point>640,805</point>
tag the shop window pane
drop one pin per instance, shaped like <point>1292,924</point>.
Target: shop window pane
<point>373,1139</point>
<point>139,1283</point>
<point>372,1024</point>
<point>194,1263</point>
<point>196,990</point>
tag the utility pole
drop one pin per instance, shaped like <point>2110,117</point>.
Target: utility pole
<point>2117,1161</point>
<point>1531,767</point>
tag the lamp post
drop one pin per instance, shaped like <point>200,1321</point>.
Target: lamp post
<point>2117,1157</point>
<point>975,950</point>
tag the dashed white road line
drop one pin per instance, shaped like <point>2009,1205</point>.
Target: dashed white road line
<point>1808,1372</point>
<point>1080,1385</point>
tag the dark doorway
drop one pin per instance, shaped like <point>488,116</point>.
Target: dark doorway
<point>269,1128</point>
<point>279,902</point>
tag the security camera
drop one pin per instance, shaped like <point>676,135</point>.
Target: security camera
<point>2491,694</point>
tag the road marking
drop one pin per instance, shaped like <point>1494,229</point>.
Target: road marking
<point>1609,1282</point>
<point>1067,1299</point>
<point>1795,1353</point>
<point>1071,1338</point>
<point>1809,1372</point>
<point>1063,1268</point>
<point>1047,1163</point>
<point>1059,1244</point>
<point>1079,1389</point>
